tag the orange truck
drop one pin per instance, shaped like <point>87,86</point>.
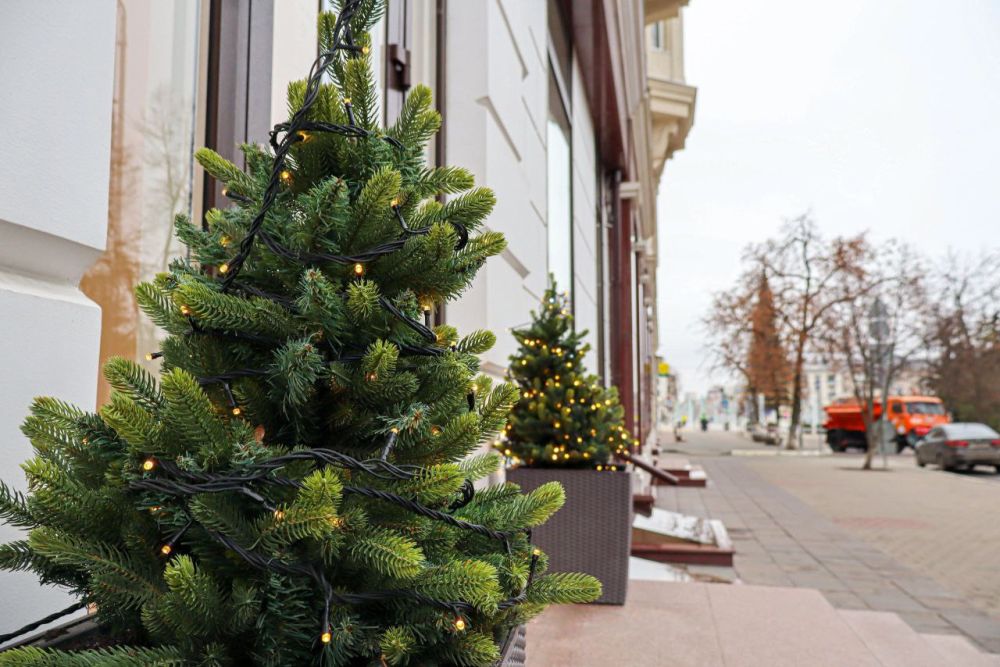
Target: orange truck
<point>911,416</point>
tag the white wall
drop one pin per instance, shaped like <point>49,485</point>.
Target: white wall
<point>57,76</point>
<point>496,112</point>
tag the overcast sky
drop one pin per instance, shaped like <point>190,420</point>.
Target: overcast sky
<point>875,114</point>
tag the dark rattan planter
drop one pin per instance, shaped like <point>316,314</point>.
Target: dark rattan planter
<point>592,533</point>
<point>85,633</point>
<point>514,651</point>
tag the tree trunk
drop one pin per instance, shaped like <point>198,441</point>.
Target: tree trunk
<point>796,399</point>
<point>872,440</point>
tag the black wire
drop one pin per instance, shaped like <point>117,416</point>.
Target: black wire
<point>43,621</point>
<point>292,136</point>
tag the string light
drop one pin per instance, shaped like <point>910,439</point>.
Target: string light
<point>153,355</point>
<point>279,515</point>
<point>185,311</point>
<point>460,624</point>
<point>166,549</point>
<point>304,136</point>
<point>435,430</point>
<point>359,269</point>
<point>149,464</point>
<point>371,376</point>
<point>223,268</point>
<point>286,177</point>
<point>326,637</point>
<point>236,411</point>
<point>225,241</point>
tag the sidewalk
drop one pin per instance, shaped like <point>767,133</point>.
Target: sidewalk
<point>781,541</point>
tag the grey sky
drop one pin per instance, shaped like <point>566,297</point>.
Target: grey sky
<point>875,114</point>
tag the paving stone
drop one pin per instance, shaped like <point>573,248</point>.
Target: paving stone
<point>844,600</point>
<point>973,623</point>
<point>781,541</point>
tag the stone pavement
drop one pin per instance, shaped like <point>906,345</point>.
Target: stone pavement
<point>782,541</point>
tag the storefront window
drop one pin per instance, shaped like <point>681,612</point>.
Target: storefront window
<point>154,133</point>
<point>559,195</point>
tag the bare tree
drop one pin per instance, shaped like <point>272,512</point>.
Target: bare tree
<point>802,267</point>
<point>875,329</point>
<point>729,329</point>
<point>964,336</point>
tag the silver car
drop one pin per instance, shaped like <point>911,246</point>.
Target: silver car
<point>960,445</point>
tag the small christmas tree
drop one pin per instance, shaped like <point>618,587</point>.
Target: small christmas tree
<point>564,417</point>
<point>296,488</point>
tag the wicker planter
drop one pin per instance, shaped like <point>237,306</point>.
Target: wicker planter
<point>592,533</point>
<point>83,633</point>
<point>513,653</point>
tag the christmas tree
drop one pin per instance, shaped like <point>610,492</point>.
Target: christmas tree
<point>564,416</point>
<point>297,485</point>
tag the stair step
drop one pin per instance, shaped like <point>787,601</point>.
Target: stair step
<point>695,624</point>
<point>771,626</point>
<point>957,651</point>
<point>891,640</point>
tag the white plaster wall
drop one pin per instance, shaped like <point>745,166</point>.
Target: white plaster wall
<point>57,76</point>
<point>496,110</point>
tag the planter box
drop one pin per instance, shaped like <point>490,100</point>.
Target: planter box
<point>514,651</point>
<point>592,533</point>
<point>82,632</point>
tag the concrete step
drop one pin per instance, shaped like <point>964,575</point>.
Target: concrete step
<point>957,651</point>
<point>693,624</point>
<point>891,640</point>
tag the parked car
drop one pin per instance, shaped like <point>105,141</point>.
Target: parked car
<point>960,445</point>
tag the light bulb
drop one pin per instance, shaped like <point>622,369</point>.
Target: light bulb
<point>166,549</point>
<point>305,136</point>
<point>460,624</point>
<point>279,515</point>
<point>237,411</point>
<point>347,101</point>
<point>359,269</point>
<point>326,637</point>
<point>149,464</point>
<point>600,467</point>
<point>225,241</point>
<point>223,268</point>
<point>536,552</point>
<point>286,177</point>
<point>185,311</point>
<point>435,430</point>
<point>365,50</point>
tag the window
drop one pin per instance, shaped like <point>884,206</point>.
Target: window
<point>559,193</point>
<point>156,121</point>
<point>924,408</point>
<point>656,36</point>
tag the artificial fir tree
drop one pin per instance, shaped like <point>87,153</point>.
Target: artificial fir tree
<point>296,487</point>
<point>564,417</point>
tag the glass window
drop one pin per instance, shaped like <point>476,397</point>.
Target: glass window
<point>559,195</point>
<point>656,36</point>
<point>924,408</point>
<point>971,431</point>
<point>158,66</point>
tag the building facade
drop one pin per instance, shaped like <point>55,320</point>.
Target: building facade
<point>567,110</point>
